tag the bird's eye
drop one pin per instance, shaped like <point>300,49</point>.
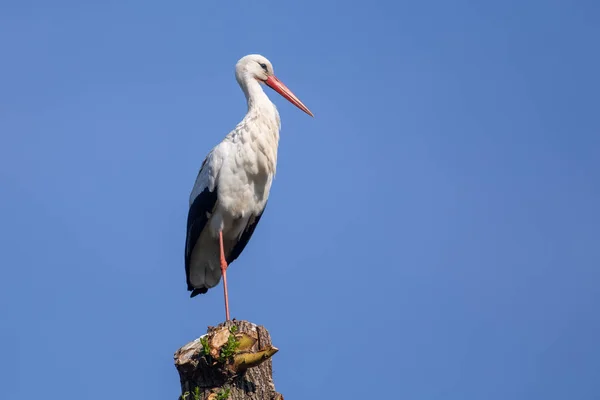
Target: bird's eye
<point>264,66</point>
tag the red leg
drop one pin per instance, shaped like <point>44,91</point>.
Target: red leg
<point>224,273</point>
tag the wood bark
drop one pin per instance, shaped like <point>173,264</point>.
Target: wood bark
<point>237,377</point>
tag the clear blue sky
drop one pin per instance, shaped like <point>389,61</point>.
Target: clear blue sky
<point>434,229</point>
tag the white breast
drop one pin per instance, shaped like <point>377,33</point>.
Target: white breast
<point>246,175</point>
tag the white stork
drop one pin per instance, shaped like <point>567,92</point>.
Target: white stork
<point>232,187</point>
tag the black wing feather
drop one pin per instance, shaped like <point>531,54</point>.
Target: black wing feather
<point>246,235</point>
<point>203,204</point>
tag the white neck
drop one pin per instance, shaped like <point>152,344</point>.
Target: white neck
<point>261,123</point>
<point>255,95</point>
<point>257,99</point>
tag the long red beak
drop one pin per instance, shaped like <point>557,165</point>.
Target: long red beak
<point>280,88</point>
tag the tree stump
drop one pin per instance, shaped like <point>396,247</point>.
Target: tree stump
<point>231,362</point>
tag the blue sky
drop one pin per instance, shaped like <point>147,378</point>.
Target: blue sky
<point>434,230</point>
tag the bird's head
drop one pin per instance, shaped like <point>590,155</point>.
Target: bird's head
<point>255,66</point>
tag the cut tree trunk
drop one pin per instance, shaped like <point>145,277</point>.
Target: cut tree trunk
<point>231,362</point>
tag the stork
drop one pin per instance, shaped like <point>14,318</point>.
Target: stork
<point>234,181</point>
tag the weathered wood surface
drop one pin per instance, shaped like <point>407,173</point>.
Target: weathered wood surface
<point>212,377</point>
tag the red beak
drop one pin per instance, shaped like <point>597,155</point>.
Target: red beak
<point>280,88</point>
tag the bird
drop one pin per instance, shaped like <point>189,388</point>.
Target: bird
<point>232,187</point>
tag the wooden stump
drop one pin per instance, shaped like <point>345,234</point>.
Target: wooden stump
<point>231,362</point>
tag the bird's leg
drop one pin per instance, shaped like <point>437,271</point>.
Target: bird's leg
<point>224,273</point>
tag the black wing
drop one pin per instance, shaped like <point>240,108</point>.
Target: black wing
<point>246,235</point>
<point>197,218</point>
